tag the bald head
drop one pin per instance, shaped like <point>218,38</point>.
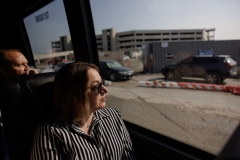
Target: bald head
<point>13,63</point>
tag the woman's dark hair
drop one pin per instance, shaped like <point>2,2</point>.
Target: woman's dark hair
<point>70,98</point>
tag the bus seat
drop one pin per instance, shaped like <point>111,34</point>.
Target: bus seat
<point>22,111</point>
<point>8,99</point>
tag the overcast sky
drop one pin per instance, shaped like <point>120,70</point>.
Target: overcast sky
<point>126,15</point>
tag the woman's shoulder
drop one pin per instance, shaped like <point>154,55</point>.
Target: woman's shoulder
<point>108,110</point>
<point>52,126</point>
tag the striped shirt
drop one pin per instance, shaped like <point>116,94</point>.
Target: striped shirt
<point>108,140</point>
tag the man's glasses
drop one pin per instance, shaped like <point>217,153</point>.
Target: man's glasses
<point>99,86</point>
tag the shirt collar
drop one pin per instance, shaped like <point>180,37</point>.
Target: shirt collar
<point>98,116</point>
<point>101,113</point>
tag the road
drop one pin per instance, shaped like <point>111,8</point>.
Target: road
<point>204,119</point>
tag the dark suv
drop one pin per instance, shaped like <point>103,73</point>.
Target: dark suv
<point>214,68</point>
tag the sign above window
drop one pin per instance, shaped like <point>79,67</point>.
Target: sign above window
<point>42,17</point>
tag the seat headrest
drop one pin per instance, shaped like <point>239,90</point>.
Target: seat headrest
<point>36,80</point>
<point>44,97</point>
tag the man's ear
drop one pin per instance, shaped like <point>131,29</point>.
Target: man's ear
<point>3,71</point>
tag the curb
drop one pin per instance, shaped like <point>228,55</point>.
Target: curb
<point>189,85</point>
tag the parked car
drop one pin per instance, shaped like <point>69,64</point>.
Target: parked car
<point>60,65</point>
<point>112,70</point>
<point>214,68</point>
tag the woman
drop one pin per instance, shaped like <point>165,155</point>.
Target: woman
<point>83,127</point>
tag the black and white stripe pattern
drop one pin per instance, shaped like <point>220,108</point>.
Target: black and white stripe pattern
<point>108,140</point>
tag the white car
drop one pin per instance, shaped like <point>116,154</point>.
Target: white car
<point>125,58</point>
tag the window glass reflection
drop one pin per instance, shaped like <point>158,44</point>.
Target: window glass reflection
<point>190,102</point>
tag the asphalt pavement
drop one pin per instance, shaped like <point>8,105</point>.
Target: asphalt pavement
<point>204,119</point>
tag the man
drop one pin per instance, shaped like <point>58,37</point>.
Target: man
<point>13,63</point>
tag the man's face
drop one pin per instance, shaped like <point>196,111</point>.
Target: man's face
<point>18,64</point>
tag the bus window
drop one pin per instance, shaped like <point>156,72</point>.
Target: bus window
<point>137,34</point>
<point>49,37</point>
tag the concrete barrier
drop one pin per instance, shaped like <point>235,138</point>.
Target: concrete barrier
<point>188,85</point>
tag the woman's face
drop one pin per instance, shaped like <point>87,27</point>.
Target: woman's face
<point>96,91</point>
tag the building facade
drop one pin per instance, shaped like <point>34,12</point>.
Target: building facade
<point>64,44</point>
<point>135,40</point>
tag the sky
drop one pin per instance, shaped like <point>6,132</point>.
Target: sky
<point>126,15</point>
<point>42,33</point>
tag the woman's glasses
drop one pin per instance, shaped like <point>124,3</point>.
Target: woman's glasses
<point>99,86</point>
